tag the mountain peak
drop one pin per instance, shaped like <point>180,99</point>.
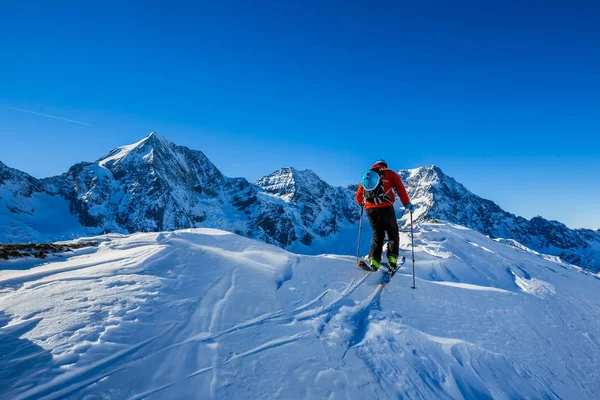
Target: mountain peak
<point>303,175</point>
<point>154,137</point>
<point>431,170</point>
<point>281,182</point>
<point>431,167</point>
<point>146,145</point>
<point>162,157</point>
<point>424,177</point>
<point>290,183</point>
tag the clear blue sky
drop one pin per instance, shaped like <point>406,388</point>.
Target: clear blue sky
<point>502,95</point>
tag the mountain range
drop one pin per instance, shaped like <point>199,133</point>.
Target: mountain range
<point>155,185</point>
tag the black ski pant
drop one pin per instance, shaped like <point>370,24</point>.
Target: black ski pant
<point>383,220</point>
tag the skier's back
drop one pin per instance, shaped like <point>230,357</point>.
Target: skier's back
<point>378,202</point>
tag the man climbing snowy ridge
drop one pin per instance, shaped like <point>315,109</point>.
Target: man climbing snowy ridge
<point>378,200</point>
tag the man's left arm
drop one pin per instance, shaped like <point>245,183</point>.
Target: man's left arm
<point>359,195</point>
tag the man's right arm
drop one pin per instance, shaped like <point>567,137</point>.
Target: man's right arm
<point>399,188</point>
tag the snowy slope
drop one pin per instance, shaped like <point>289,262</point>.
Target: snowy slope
<point>30,212</point>
<point>207,314</point>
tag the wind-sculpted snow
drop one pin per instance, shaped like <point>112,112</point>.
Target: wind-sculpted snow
<point>204,313</point>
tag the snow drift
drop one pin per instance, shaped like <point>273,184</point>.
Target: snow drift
<point>208,314</point>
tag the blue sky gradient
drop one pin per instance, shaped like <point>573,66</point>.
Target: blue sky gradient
<point>502,95</point>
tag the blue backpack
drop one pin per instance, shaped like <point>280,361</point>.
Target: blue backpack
<point>372,182</point>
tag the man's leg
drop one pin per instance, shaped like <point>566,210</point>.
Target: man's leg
<point>378,233</point>
<point>391,227</point>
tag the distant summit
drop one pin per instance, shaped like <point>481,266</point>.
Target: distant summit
<point>322,207</point>
<point>292,184</point>
<point>439,196</point>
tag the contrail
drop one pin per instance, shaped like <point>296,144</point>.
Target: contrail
<point>46,115</point>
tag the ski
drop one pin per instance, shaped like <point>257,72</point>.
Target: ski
<point>387,276</point>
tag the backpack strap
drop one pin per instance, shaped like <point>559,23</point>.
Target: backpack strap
<point>385,197</point>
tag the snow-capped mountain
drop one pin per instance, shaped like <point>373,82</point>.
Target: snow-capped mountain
<point>150,185</point>
<point>316,204</point>
<point>439,196</point>
<point>208,314</point>
<point>18,188</point>
<point>29,212</point>
<point>155,185</point>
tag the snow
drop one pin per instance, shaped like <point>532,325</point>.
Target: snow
<point>122,152</point>
<point>34,218</point>
<point>202,313</point>
<point>468,286</point>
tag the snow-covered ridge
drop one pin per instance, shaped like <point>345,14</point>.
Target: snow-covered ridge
<point>204,313</point>
<point>122,152</point>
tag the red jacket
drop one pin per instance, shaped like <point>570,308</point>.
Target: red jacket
<point>391,180</point>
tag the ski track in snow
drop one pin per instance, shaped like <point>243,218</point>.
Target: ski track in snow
<point>201,313</point>
<point>269,345</point>
<point>472,287</point>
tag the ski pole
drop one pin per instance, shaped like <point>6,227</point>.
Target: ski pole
<point>362,209</point>
<point>412,239</point>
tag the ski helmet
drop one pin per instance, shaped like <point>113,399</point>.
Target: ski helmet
<point>381,162</point>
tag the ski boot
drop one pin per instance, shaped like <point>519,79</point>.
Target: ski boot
<point>374,264</point>
<point>393,264</point>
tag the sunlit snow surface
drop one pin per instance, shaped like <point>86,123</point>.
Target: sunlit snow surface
<point>208,314</point>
